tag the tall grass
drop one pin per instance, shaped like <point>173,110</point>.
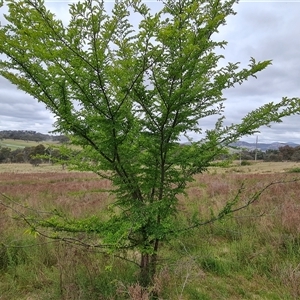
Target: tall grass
<point>254,254</point>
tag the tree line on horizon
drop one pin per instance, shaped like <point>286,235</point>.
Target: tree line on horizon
<point>284,153</point>
<point>31,135</point>
<point>34,155</point>
<point>39,154</point>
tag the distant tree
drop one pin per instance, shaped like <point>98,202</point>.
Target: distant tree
<point>296,154</point>
<point>259,154</point>
<point>127,95</point>
<point>247,155</point>
<point>36,154</point>
<point>273,155</point>
<point>35,161</point>
<point>61,139</point>
<point>5,154</point>
<point>39,150</point>
<point>17,156</point>
<point>26,153</point>
<point>286,152</point>
<point>56,156</point>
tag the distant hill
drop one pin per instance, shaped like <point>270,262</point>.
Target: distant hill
<point>30,135</point>
<point>262,146</point>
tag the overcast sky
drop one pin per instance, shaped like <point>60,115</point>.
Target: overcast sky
<point>261,29</point>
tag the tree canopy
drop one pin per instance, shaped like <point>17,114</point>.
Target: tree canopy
<point>127,94</point>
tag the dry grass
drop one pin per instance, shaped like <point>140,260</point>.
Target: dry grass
<point>28,168</point>
<point>256,167</point>
<point>74,192</point>
<point>253,255</point>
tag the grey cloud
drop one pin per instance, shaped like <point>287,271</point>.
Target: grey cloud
<point>288,131</point>
<point>265,31</point>
<point>20,111</point>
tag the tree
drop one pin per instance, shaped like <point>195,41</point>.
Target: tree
<point>5,154</point>
<point>17,156</point>
<point>57,156</point>
<point>246,155</point>
<point>273,156</point>
<point>296,154</point>
<point>26,153</point>
<point>126,96</point>
<point>36,155</point>
<point>286,152</point>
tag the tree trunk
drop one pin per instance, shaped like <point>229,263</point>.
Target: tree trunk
<point>148,266</point>
<point>145,277</point>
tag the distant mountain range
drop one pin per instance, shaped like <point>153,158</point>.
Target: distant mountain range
<point>262,146</point>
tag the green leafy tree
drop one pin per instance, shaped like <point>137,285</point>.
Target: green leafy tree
<point>5,154</point>
<point>296,154</point>
<point>17,156</point>
<point>36,155</point>
<point>286,152</point>
<point>26,153</point>
<point>59,155</point>
<point>126,95</point>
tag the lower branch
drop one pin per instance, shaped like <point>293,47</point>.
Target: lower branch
<point>228,208</point>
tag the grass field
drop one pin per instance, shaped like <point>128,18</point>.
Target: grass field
<point>256,167</point>
<point>29,168</point>
<point>254,254</point>
<point>15,144</point>
<point>259,167</point>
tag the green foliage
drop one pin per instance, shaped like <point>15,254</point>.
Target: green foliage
<point>245,163</point>
<point>5,153</point>
<point>127,96</point>
<point>294,170</point>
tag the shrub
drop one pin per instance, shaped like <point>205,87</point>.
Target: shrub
<point>294,170</point>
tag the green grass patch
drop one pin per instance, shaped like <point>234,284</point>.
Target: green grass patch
<point>294,170</point>
<point>15,144</point>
